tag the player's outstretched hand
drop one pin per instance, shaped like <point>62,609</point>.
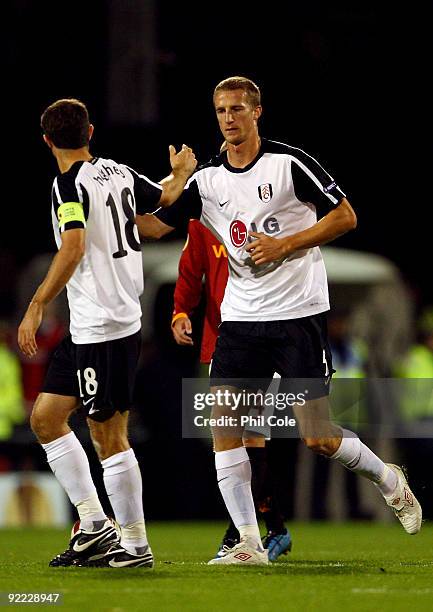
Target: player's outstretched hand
<point>183,162</point>
<point>266,249</point>
<point>182,330</point>
<point>28,328</point>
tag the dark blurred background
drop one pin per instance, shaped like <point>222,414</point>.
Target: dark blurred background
<point>345,81</point>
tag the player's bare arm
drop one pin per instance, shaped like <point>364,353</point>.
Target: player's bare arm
<point>182,330</point>
<point>336,223</point>
<point>62,268</point>
<point>183,165</point>
<point>152,228</point>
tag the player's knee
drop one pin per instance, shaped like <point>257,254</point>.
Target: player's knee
<point>322,446</point>
<point>109,449</point>
<point>252,441</point>
<point>224,444</point>
<point>110,437</point>
<point>110,443</point>
<point>44,430</point>
<point>36,423</point>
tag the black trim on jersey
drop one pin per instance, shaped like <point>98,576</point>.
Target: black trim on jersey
<point>69,193</point>
<point>188,206</point>
<point>213,162</point>
<point>239,170</point>
<point>72,225</point>
<point>306,190</point>
<point>66,183</point>
<point>86,201</point>
<point>54,200</point>
<point>221,159</point>
<point>94,160</point>
<point>146,195</point>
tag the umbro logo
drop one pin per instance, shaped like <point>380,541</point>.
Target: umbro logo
<point>396,501</point>
<point>242,556</point>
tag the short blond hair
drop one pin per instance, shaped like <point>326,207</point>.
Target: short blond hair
<point>239,82</point>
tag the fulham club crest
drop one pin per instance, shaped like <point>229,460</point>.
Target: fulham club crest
<point>265,192</point>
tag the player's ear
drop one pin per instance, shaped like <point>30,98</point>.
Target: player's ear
<point>47,141</point>
<point>91,130</point>
<point>257,112</point>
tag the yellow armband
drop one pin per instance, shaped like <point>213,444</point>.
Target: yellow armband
<point>70,211</point>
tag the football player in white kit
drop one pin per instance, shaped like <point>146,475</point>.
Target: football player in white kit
<point>94,203</point>
<point>261,199</point>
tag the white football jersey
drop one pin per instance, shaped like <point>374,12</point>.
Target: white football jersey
<point>278,193</point>
<point>103,197</point>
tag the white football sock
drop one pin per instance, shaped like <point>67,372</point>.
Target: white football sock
<point>234,480</point>
<point>122,479</point>
<point>357,457</point>
<point>388,484</point>
<point>70,465</point>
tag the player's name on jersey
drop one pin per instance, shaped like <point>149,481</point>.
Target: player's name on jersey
<point>244,421</point>
<point>104,173</point>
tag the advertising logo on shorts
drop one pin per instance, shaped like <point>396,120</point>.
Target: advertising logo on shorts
<point>265,192</point>
<point>238,233</point>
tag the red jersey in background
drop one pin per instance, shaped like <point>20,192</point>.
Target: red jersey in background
<point>202,255</point>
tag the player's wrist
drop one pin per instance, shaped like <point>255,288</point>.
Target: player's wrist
<point>179,315</point>
<point>181,174</point>
<point>288,246</point>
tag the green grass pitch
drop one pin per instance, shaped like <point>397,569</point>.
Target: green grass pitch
<point>332,567</point>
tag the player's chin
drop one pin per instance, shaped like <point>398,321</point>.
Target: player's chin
<point>234,138</point>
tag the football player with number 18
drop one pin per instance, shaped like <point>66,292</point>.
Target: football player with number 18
<point>94,203</point>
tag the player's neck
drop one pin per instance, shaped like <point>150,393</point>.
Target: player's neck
<point>67,157</point>
<point>239,156</point>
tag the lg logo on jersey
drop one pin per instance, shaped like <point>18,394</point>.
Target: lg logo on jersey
<point>270,226</point>
<point>239,232</point>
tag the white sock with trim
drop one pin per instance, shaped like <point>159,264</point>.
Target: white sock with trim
<point>70,466</point>
<point>234,480</point>
<point>122,479</point>
<point>357,457</point>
